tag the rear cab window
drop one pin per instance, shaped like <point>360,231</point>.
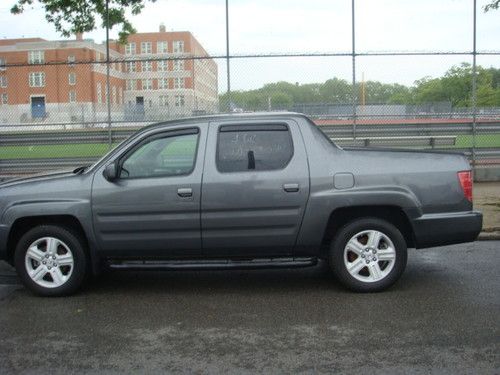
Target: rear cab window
<point>263,147</point>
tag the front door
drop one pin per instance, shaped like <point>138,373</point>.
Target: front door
<point>255,188</point>
<point>153,208</point>
<point>38,107</point>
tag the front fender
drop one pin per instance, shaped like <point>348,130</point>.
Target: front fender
<point>80,209</point>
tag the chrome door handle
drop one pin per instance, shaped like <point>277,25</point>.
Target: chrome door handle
<point>291,188</point>
<point>185,192</point>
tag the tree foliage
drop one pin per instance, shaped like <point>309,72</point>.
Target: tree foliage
<point>454,87</point>
<point>77,16</point>
<point>493,5</point>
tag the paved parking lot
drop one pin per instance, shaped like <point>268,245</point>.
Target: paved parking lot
<point>442,317</point>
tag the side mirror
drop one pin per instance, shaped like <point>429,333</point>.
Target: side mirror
<point>110,172</point>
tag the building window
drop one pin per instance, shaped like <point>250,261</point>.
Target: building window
<point>3,81</point>
<point>37,79</point>
<point>179,100</point>
<point>162,66</point>
<point>147,66</point>
<point>5,99</point>
<point>130,49</point>
<point>113,93</point>
<point>178,46</point>
<point>147,84</point>
<point>178,83</point>
<point>131,84</point>
<point>161,47</point>
<point>36,57</point>
<point>72,79</point>
<point>99,93</point>
<point>146,47</point>
<point>2,64</point>
<point>179,65</point>
<point>72,96</point>
<point>120,95</point>
<point>163,101</point>
<point>131,67</point>
<point>162,83</point>
<point>71,60</point>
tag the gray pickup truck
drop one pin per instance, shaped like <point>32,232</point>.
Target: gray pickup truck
<point>236,191</point>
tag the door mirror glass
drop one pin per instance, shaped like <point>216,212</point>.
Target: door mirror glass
<point>111,171</point>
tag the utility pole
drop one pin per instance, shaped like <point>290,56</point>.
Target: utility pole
<point>227,58</point>
<point>363,89</point>
<point>108,91</point>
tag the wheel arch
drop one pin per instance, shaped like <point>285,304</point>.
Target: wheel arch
<point>344,215</point>
<point>23,224</point>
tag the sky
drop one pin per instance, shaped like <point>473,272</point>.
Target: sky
<point>314,26</point>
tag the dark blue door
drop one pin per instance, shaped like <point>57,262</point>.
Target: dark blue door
<point>139,107</point>
<point>38,107</point>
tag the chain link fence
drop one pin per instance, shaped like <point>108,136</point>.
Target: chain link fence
<point>66,103</point>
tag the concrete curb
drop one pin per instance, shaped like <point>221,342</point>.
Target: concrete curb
<point>489,236</point>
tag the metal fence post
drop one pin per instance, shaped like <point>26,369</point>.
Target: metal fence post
<point>354,100</point>
<point>227,58</point>
<point>474,87</point>
<point>108,91</point>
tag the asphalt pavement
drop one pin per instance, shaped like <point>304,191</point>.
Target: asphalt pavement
<point>443,316</point>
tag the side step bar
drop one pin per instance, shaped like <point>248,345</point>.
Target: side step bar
<point>215,264</point>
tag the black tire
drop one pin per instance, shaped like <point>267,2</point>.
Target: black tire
<point>337,254</point>
<point>72,240</point>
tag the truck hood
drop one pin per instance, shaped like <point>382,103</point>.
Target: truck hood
<point>37,178</point>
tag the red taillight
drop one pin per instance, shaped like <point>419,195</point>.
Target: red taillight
<point>465,178</point>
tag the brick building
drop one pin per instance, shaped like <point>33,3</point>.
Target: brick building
<point>151,78</point>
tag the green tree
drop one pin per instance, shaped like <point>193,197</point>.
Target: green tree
<point>455,86</point>
<point>280,100</point>
<point>493,5</point>
<point>429,90</point>
<point>335,91</point>
<point>77,16</point>
<point>402,95</point>
<point>486,96</point>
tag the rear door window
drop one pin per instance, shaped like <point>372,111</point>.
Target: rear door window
<point>243,148</point>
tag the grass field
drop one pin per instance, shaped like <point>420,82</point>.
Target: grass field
<point>98,149</point>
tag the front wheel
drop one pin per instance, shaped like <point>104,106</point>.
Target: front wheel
<point>50,260</point>
<point>368,255</point>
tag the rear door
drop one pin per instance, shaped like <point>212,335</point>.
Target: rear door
<point>255,188</point>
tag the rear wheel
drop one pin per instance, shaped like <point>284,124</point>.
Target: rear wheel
<point>51,261</point>
<point>368,255</point>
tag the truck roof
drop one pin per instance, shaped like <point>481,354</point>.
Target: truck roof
<point>226,116</point>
